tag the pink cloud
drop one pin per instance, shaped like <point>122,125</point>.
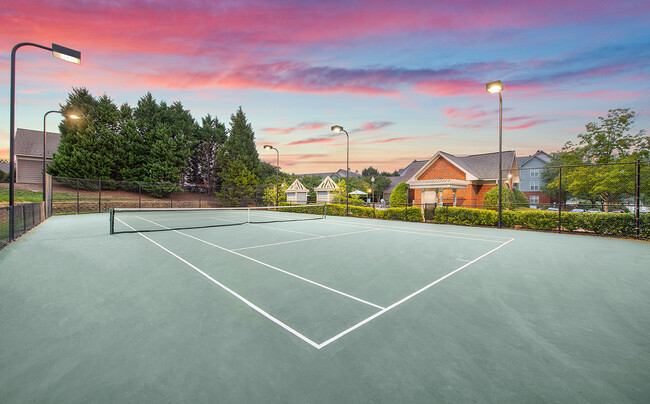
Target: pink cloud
<point>372,126</point>
<point>300,126</point>
<point>311,141</point>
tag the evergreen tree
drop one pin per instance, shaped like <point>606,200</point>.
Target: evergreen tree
<point>91,147</point>
<point>239,184</point>
<point>240,145</point>
<point>210,138</point>
<point>399,196</point>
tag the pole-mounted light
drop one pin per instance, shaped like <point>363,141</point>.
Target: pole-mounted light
<point>277,173</point>
<point>58,51</point>
<point>339,128</point>
<point>497,87</point>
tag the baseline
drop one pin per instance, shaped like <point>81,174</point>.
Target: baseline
<point>417,292</point>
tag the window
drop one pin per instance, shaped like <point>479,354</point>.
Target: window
<point>534,172</point>
<point>534,185</point>
<point>534,199</point>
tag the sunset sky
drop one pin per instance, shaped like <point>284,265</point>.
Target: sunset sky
<point>404,78</point>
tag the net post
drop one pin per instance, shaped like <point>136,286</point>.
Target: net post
<point>325,211</point>
<point>112,221</point>
<point>100,197</point>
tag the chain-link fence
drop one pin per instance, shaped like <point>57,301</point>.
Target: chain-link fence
<point>76,195</point>
<point>604,199</point>
<point>17,220</point>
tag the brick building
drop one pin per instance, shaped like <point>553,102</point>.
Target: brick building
<point>461,181</point>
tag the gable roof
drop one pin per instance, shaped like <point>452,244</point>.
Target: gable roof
<point>4,166</point>
<point>476,166</point>
<point>541,155</point>
<point>30,143</point>
<point>405,173</point>
<point>327,185</point>
<point>297,186</point>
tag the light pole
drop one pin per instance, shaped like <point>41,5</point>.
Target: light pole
<point>71,116</point>
<point>277,173</point>
<point>497,87</point>
<point>339,128</point>
<point>372,181</point>
<point>58,51</point>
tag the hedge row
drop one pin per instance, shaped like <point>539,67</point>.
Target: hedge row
<point>412,214</point>
<point>610,224</point>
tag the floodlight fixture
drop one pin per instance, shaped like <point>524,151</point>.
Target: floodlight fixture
<point>494,87</point>
<point>58,51</point>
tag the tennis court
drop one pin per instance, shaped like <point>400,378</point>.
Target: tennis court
<point>332,310</point>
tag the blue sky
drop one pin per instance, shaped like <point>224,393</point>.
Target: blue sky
<point>406,79</point>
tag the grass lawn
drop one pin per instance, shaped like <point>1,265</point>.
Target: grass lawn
<point>24,195</point>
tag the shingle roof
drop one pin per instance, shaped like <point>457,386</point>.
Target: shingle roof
<point>542,155</point>
<point>4,166</point>
<point>484,166</point>
<point>338,174</point>
<point>30,143</point>
<point>406,173</point>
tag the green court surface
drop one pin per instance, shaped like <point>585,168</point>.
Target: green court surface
<point>340,310</point>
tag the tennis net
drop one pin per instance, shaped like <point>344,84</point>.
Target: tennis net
<point>127,220</point>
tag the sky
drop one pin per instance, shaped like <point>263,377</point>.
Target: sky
<point>404,78</point>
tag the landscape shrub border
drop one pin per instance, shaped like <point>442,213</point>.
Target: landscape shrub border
<point>605,224</point>
<point>610,224</point>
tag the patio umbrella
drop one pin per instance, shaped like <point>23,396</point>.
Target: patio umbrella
<point>357,192</point>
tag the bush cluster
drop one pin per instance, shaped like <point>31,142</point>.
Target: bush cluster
<point>611,224</point>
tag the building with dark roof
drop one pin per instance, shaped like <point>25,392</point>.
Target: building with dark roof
<point>404,174</point>
<point>28,146</point>
<point>336,174</point>
<point>461,181</point>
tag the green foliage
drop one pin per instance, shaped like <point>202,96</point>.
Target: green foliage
<point>239,184</point>
<point>606,224</point>
<point>4,177</point>
<point>508,200</point>
<point>240,145</point>
<point>381,183</point>
<point>204,167</point>
<point>520,198</point>
<point>90,147</point>
<point>399,196</point>
<point>270,194</point>
<point>412,214</point>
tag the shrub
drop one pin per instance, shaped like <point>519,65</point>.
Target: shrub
<point>399,196</point>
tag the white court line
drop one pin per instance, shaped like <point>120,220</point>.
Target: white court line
<point>374,316</point>
<point>422,229</point>
<point>232,292</point>
<point>304,239</point>
<point>411,232</point>
<point>291,330</point>
<point>268,265</point>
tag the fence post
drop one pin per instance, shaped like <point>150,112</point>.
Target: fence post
<point>77,195</point>
<point>637,187</point>
<point>100,197</point>
<point>24,219</point>
<point>139,195</point>
<point>559,210</point>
